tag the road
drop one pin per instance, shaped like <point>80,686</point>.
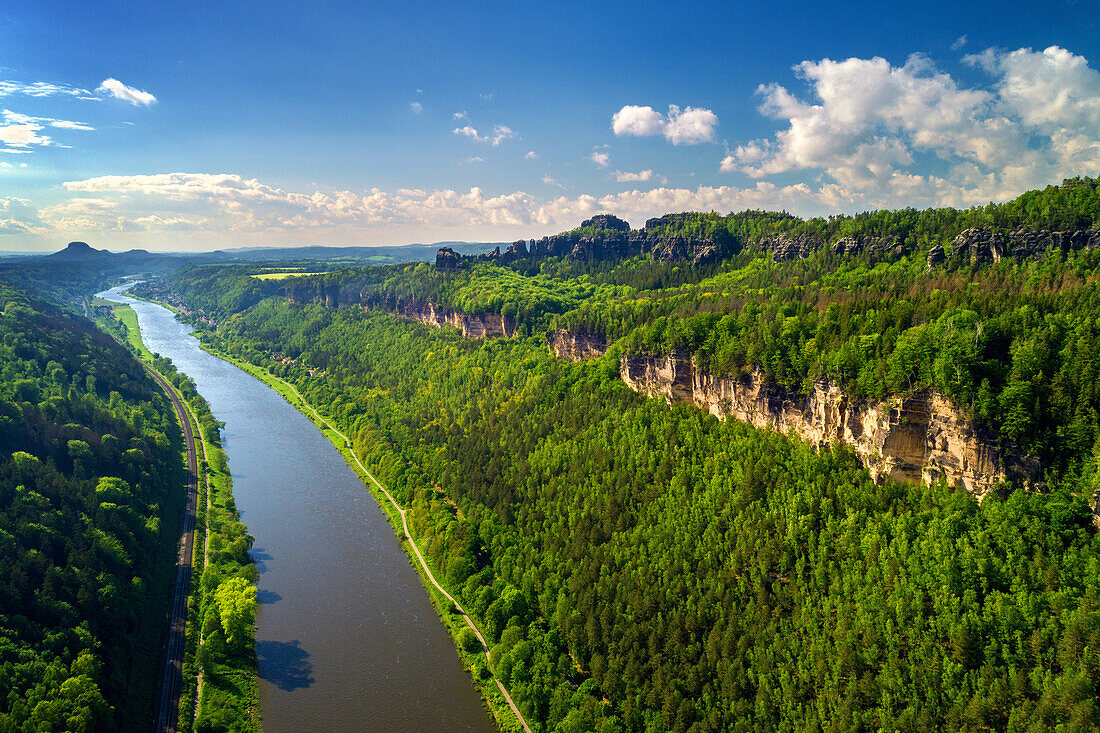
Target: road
<point>172,675</point>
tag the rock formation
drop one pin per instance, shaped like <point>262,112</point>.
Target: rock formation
<point>576,346</point>
<point>911,438</point>
<point>483,325</point>
<point>611,239</point>
<point>982,244</point>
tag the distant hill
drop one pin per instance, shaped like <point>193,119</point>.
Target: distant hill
<point>377,254</point>
<point>80,251</point>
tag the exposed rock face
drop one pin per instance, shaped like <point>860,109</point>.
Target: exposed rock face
<point>576,346</point>
<point>890,247</point>
<point>981,244</point>
<point>787,247</point>
<point>936,255</point>
<point>912,438</point>
<point>484,325</point>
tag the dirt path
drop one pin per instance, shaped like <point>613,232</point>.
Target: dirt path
<point>172,674</point>
<point>416,550</point>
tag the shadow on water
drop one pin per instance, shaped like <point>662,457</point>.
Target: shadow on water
<point>267,596</point>
<point>259,557</point>
<point>284,664</point>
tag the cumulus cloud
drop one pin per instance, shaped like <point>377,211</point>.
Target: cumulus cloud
<point>689,126</point>
<point>118,90</point>
<point>236,207</point>
<point>627,177</point>
<point>460,115</point>
<point>416,107</point>
<point>600,158</point>
<point>18,216</point>
<point>233,203</point>
<point>531,155</point>
<point>869,125</point>
<point>641,121</point>
<point>549,181</point>
<point>499,134</point>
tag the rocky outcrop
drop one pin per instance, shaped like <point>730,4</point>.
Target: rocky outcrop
<point>574,346</point>
<point>877,247</point>
<point>910,438</point>
<point>981,244</point>
<point>477,325</point>
<point>790,247</point>
<point>609,238</point>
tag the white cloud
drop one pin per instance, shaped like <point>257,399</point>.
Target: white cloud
<point>42,89</point>
<point>499,134</point>
<point>118,90</point>
<point>232,208</point>
<point>460,115</point>
<point>18,216</point>
<point>531,155</point>
<point>22,135</point>
<point>549,181</point>
<point>870,122</point>
<point>70,125</point>
<point>600,158</point>
<point>689,126</point>
<point>635,120</point>
<point>416,107</point>
<point>474,159</point>
<point>627,177</point>
<point>234,203</point>
<point>959,43</point>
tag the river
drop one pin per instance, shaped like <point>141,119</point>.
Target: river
<point>346,637</point>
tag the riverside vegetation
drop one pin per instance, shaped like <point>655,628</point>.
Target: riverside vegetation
<point>643,566</point>
<point>221,634</point>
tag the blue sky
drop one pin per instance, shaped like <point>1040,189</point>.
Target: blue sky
<point>225,124</point>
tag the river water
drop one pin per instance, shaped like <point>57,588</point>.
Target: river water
<point>346,637</point>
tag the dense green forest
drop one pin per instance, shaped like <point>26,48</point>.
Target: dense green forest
<point>90,471</point>
<point>642,566</point>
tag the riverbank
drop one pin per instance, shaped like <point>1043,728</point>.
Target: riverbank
<point>220,681</point>
<point>455,619</point>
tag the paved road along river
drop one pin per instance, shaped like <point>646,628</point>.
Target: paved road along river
<point>346,637</point>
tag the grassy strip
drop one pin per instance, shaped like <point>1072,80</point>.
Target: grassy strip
<point>230,692</point>
<point>453,621</point>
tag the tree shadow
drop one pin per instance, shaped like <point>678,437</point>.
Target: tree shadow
<point>267,596</point>
<point>259,558</point>
<point>284,664</point>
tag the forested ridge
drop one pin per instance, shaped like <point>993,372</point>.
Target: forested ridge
<point>645,567</point>
<point>90,477</point>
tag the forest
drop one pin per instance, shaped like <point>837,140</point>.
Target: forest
<point>90,472</point>
<point>642,566</point>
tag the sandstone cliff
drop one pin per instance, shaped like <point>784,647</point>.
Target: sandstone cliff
<point>477,325</point>
<point>911,438</point>
<point>576,346</point>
